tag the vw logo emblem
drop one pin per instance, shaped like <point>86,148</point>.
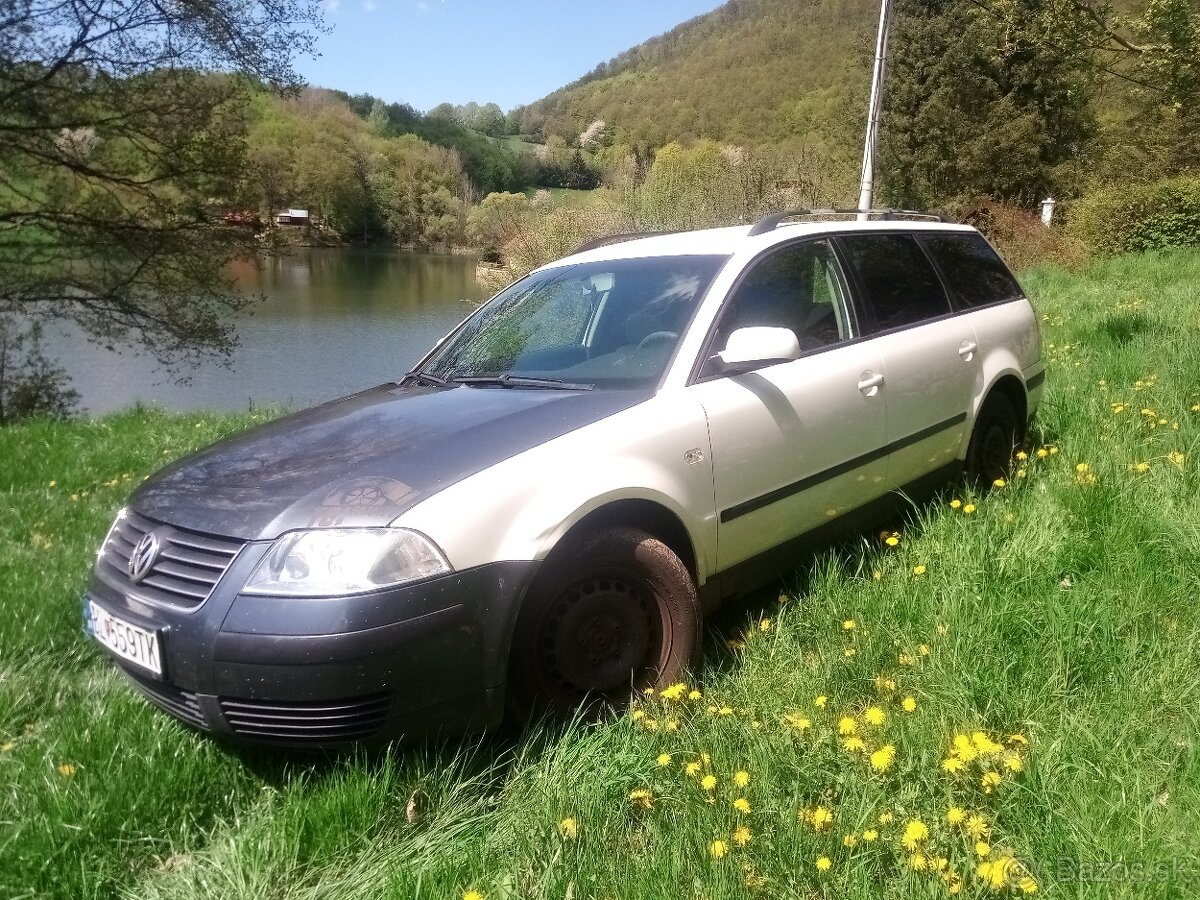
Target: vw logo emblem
<point>144,556</point>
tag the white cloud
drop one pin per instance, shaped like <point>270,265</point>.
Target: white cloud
<point>331,6</point>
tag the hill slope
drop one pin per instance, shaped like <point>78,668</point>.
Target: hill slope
<point>749,72</point>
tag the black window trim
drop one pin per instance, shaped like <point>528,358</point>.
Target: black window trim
<point>852,313</point>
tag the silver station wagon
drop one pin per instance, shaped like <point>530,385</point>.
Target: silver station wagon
<point>539,514</point>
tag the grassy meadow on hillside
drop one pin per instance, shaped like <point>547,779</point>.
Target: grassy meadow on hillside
<point>1002,699</point>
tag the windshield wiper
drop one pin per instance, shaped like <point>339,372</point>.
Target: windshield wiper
<point>425,378</point>
<point>509,380</point>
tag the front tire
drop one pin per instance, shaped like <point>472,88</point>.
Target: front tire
<point>990,452</point>
<point>611,613</point>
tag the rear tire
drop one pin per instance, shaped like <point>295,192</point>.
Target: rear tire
<point>990,452</point>
<point>610,614</point>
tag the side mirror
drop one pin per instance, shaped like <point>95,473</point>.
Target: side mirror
<point>759,345</point>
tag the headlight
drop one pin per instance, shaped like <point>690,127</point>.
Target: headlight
<point>331,561</point>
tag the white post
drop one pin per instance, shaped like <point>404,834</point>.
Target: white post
<point>1047,211</point>
<point>866,192</point>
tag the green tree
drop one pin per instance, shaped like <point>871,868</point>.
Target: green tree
<point>974,108</point>
<point>118,149</point>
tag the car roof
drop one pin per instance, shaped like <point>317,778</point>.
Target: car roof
<point>728,241</point>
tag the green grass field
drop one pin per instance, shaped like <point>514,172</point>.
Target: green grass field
<point>1051,626</point>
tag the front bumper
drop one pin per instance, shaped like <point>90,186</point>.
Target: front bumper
<point>419,659</point>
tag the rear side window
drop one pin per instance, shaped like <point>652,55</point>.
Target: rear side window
<point>976,275</point>
<point>901,285</point>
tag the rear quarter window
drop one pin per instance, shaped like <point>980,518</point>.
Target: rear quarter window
<point>975,273</point>
<point>901,285</point>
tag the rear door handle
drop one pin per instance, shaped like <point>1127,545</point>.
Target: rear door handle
<point>967,350</point>
<point>869,383</point>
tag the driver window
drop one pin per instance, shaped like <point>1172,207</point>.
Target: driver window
<point>798,287</point>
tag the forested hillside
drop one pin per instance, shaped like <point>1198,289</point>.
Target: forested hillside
<point>750,72</point>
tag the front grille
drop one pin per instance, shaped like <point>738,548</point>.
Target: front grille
<point>187,569</point>
<point>176,701</point>
<point>331,721</point>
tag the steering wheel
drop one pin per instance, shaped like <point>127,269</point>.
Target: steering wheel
<point>657,337</point>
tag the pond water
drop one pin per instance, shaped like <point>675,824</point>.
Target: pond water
<point>333,321</point>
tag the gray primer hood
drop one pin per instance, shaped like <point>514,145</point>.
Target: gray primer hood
<point>364,459</point>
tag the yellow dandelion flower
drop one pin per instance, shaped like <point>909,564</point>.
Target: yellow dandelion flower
<point>824,863</point>
<point>637,715</point>
<point>952,765</point>
<point>674,692</point>
<point>472,895</point>
<point>969,508</point>
<point>956,815</point>
<point>854,744</point>
<point>641,798</point>
<point>884,684</point>
<point>990,781</point>
<point>850,840</point>
<point>918,862</point>
<point>846,725</point>
<point>725,711</point>
<point>764,625</point>
<point>870,835</point>
<point>718,849</point>
<point>568,828</point>
<point>821,701</point>
<point>1141,467</point>
<point>694,695</point>
<point>742,805</point>
<point>1027,885</point>
<point>982,849</point>
<point>877,575</point>
<point>977,827</point>
<point>919,570</point>
<point>797,721</point>
<point>923,650</point>
<point>955,504</point>
<point>1043,453</point>
<point>1176,457</point>
<point>984,745</point>
<point>1022,456</point>
<point>915,832</point>
<point>708,782</point>
<point>741,835</point>
<point>672,725</point>
<point>886,818</point>
<point>7,747</point>
<point>892,541</point>
<point>964,749</point>
<point>999,483</point>
<point>1081,467</point>
<point>1015,740</point>
<point>650,724</point>
<point>692,769</point>
<point>741,779</point>
<point>819,818</point>
<point>881,759</point>
<point>664,759</point>
<point>67,770</point>
<point>1014,763</point>
<point>874,716</point>
<point>906,659</point>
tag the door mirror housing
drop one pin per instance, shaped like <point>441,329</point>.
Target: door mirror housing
<point>758,345</point>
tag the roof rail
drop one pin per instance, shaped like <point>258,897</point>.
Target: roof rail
<point>621,237</point>
<point>773,221</point>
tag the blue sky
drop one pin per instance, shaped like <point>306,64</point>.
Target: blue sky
<point>426,52</point>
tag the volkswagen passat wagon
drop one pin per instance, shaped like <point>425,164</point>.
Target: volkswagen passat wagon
<point>538,515</point>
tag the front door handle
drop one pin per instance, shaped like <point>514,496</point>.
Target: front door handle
<point>869,383</point>
<point>967,350</point>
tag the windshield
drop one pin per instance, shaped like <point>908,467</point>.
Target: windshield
<point>608,324</point>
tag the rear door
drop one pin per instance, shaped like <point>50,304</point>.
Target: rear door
<point>930,354</point>
<point>798,443</point>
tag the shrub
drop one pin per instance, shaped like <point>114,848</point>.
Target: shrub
<point>1132,218</point>
<point>1021,237</point>
<point>30,384</point>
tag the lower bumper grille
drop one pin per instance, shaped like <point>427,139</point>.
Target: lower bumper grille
<point>176,701</point>
<point>325,722</point>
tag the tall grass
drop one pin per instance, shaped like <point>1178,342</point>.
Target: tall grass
<point>1057,610</point>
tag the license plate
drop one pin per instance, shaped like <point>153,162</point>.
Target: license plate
<point>139,646</point>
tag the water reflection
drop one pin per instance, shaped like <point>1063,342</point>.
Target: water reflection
<point>334,321</point>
